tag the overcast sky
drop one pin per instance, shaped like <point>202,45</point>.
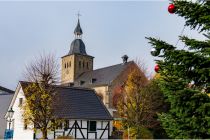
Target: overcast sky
<point>110,30</point>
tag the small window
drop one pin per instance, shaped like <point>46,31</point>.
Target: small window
<point>69,64</point>
<point>87,66</point>
<point>20,102</point>
<point>93,80</point>
<point>83,64</point>
<point>65,65</point>
<point>81,82</point>
<point>25,124</point>
<point>92,126</point>
<point>79,64</point>
<point>101,124</point>
<point>66,125</point>
<point>71,84</point>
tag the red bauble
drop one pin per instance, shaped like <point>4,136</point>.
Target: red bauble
<point>157,68</point>
<point>171,8</point>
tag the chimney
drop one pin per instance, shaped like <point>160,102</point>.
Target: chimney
<point>125,58</point>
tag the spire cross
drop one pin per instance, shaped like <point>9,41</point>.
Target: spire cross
<point>78,14</point>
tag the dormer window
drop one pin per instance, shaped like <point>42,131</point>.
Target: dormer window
<point>93,80</point>
<point>81,82</point>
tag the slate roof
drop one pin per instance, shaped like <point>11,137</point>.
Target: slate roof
<point>102,76</point>
<point>77,47</point>
<point>5,99</point>
<point>6,90</point>
<point>78,103</point>
<point>78,29</point>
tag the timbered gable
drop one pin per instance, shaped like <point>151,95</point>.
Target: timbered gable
<point>84,115</point>
<point>85,129</point>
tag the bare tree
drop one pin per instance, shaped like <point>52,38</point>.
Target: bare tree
<point>43,69</point>
<point>42,75</point>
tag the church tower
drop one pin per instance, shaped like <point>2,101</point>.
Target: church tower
<point>77,61</point>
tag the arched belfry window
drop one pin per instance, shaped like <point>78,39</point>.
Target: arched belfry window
<point>79,64</point>
<point>87,66</point>
<point>65,65</point>
<point>70,64</point>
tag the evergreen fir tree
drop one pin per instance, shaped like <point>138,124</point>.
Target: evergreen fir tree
<point>185,75</point>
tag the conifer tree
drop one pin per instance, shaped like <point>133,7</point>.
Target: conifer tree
<point>185,75</point>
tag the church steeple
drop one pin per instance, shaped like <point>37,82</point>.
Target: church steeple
<point>77,45</point>
<point>77,61</point>
<point>78,30</point>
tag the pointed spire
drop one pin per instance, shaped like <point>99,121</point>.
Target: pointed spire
<point>78,30</point>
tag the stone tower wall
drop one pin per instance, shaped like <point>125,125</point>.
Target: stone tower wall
<point>75,65</point>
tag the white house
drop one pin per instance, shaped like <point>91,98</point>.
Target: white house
<point>5,99</point>
<point>85,115</point>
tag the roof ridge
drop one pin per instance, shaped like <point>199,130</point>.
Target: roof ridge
<point>1,94</point>
<point>113,65</point>
<point>6,89</point>
<point>77,88</point>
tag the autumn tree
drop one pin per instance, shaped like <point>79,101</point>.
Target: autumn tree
<point>140,103</point>
<point>41,75</point>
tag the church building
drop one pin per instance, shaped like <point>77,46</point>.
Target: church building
<point>77,71</point>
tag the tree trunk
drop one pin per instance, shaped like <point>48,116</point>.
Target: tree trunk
<point>44,133</point>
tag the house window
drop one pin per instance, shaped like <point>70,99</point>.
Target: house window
<point>20,102</point>
<point>25,124</point>
<point>92,126</point>
<point>66,124</point>
<point>101,124</point>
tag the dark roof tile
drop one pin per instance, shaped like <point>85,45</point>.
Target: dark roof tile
<point>77,103</point>
<point>103,76</point>
<point>6,90</point>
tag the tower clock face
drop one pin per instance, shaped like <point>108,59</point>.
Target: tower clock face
<point>67,71</point>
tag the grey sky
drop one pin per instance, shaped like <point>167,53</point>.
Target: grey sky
<point>111,29</point>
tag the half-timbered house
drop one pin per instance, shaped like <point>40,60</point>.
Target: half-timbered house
<point>83,113</point>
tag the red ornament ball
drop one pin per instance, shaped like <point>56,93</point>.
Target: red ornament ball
<point>157,68</point>
<point>171,8</point>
